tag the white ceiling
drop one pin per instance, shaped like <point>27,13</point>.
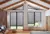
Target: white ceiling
<point>14,6</point>
<point>42,3</point>
<point>14,1</point>
<point>8,3</point>
<point>34,5</point>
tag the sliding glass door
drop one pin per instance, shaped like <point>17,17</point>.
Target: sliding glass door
<point>30,19</point>
<point>16,20</point>
<point>34,19</point>
<point>13,20</point>
<point>20,20</point>
<point>26,17</point>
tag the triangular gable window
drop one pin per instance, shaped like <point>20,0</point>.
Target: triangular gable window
<point>20,8</point>
<point>35,8</point>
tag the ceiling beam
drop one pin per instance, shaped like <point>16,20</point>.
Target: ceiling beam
<point>46,1</point>
<point>9,3</point>
<point>38,4</point>
<point>15,5</point>
<point>4,2</point>
<point>12,4</point>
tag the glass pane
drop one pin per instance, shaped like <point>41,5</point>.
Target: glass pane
<point>30,7</point>
<point>37,18</point>
<point>20,20</point>
<point>20,8</point>
<point>13,27</point>
<point>19,27</point>
<point>34,19</point>
<point>13,20</point>
<point>30,19</point>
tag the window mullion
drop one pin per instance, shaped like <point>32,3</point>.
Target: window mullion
<point>10,18</point>
<point>25,16</point>
<point>16,20</point>
<point>34,18</point>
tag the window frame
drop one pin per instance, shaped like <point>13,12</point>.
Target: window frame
<point>26,10</point>
<point>9,17</point>
<point>43,19</point>
<point>43,14</point>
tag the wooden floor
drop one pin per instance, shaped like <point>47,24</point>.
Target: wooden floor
<point>17,32</point>
<point>9,31</point>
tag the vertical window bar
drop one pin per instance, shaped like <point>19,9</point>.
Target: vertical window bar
<point>34,18</point>
<point>16,20</point>
<point>10,18</point>
<point>40,16</point>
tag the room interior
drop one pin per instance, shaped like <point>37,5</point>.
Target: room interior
<point>24,16</point>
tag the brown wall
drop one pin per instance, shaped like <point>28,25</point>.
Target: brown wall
<point>3,18</point>
<point>48,22</point>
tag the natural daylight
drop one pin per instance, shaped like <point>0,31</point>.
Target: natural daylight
<point>24,16</point>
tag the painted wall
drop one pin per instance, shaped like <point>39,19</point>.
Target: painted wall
<point>3,18</point>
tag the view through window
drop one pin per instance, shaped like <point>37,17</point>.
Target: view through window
<point>33,16</point>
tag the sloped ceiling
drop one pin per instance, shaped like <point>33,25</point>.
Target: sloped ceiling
<point>17,3</point>
<point>3,1</point>
<point>40,3</point>
<point>10,3</point>
<point>47,1</point>
<point>35,5</point>
<point>14,6</point>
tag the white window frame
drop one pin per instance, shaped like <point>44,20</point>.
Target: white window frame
<point>43,18</point>
<point>25,15</point>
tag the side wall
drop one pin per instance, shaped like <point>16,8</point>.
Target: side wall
<point>48,22</point>
<point>3,18</point>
